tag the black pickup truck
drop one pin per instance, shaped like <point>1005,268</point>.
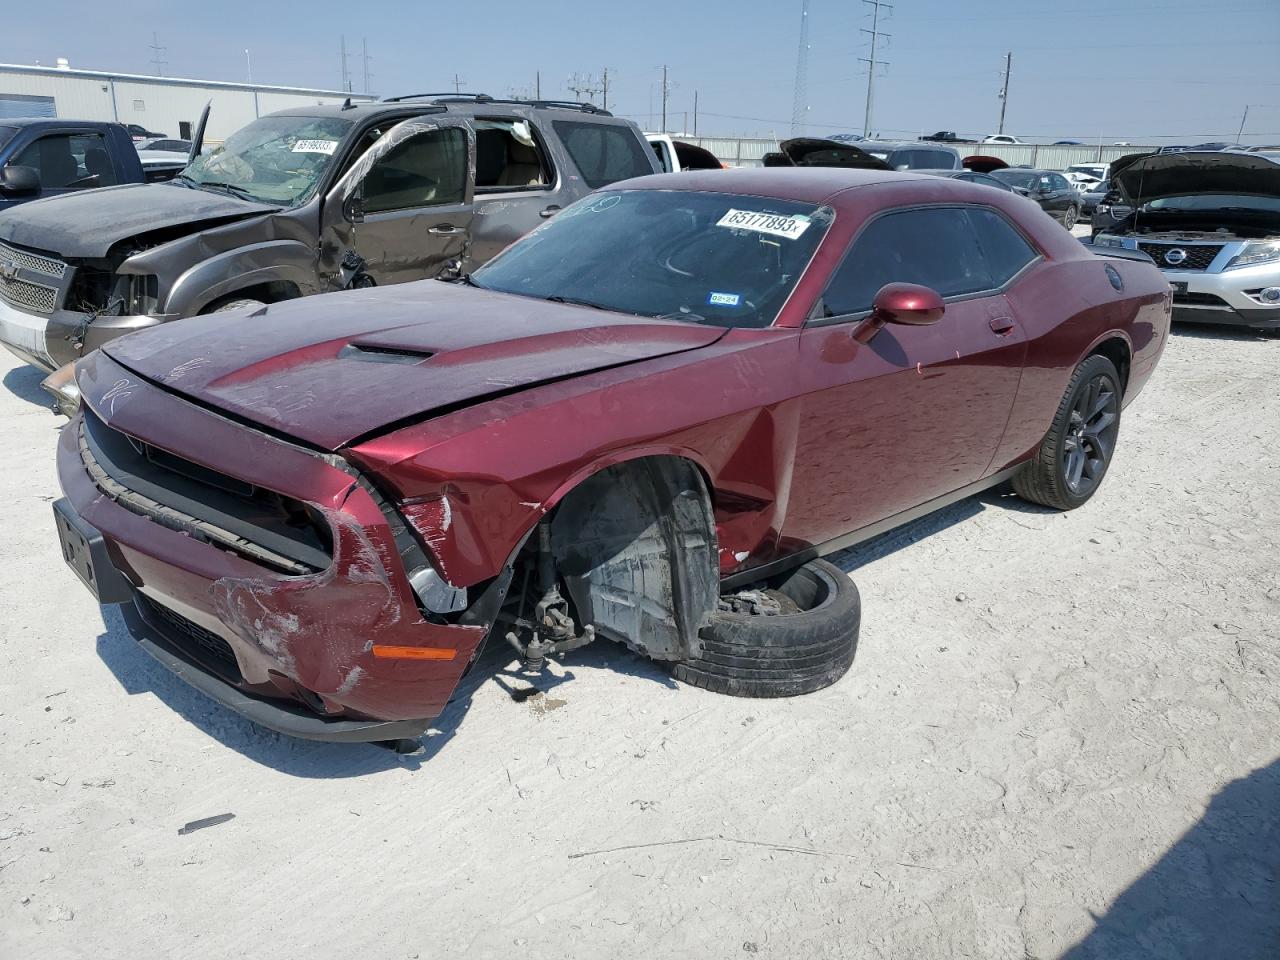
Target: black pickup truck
<point>41,157</point>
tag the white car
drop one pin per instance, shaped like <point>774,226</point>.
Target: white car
<point>1083,176</point>
<point>1001,138</point>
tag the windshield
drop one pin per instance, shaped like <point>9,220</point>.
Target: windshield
<point>1214,202</point>
<point>716,258</point>
<point>1018,178</point>
<point>275,160</point>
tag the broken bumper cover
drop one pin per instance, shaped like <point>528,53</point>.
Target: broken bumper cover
<point>52,340</point>
<point>292,652</point>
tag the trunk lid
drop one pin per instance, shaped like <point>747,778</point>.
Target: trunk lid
<point>328,370</point>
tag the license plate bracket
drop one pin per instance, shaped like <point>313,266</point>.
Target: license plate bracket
<point>85,552</point>
<point>1179,286</point>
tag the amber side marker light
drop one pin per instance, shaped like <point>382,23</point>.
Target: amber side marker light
<point>413,653</point>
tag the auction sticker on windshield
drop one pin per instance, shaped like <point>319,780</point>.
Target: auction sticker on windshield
<point>776,225</point>
<point>316,146</point>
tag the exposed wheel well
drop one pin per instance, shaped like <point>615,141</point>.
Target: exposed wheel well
<point>1117,351</point>
<point>272,292</point>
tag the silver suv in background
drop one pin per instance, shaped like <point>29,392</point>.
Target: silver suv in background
<point>1211,222</point>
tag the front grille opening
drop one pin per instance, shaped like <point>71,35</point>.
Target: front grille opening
<point>261,525</point>
<point>32,296</point>
<point>203,646</point>
<point>1198,300</point>
<point>1196,257</point>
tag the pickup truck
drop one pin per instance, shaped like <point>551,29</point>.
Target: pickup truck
<point>301,202</point>
<point>42,157</point>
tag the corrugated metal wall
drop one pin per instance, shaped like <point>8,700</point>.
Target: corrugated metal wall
<point>748,151</point>
<point>159,105</point>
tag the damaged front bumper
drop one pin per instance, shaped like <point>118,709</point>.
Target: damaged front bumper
<point>52,340</point>
<point>296,652</point>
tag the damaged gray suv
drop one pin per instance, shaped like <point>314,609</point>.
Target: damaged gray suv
<point>300,202</point>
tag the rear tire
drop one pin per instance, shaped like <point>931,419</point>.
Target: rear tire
<point>785,654</point>
<point>1074,455</point>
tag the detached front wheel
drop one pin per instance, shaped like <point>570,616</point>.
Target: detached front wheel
<point>792,635</point>
<point>1076,452</point>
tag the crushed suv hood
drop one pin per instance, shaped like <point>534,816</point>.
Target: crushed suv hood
<point>89,223</point>
<point>328,370</point>
<point>1154,175</point>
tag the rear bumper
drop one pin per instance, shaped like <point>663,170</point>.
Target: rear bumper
<point>292,652</point>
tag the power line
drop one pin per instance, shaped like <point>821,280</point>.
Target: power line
<point>800,104</point>
<point>871,61</point>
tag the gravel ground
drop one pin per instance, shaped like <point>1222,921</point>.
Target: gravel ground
<point>1060,737</point>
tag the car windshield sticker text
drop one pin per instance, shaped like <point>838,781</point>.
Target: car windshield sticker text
<point>724,299</point>
<point>771,223</point>
<point>316,146</point>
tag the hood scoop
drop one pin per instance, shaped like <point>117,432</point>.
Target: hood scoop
<point>375,354</point>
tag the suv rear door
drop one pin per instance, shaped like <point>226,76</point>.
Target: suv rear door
<point>403,211</point>
<point>518,185</point>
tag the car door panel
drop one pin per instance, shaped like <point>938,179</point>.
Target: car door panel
<point>417,236</point>
<point>912,415</point>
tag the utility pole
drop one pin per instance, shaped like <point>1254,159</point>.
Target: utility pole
<point>871,61</point>
<point>157,55</point>
<point>666,90</point>
<point>346,76</point>
<point>537,85</point>
<point>584,88</point>
<point>604,88</point>
<point>364,54</point>
<point>457,83</point>
<point>1004,89</point>
<point>695,113</point>
<point>1240,132</point>
<point>800,100</point>
<point>248,65</point>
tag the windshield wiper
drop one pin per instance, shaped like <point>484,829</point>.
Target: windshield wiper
<point>184,179</point>
<point>231,188</point>
<point>463,278</point>
<point>578,302</point>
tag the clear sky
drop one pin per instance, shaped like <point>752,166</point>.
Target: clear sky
<point>1137,70</point>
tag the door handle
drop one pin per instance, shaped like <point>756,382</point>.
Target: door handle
<point>550,211</point>
<point>1001,326</point>
<point>443,230</point>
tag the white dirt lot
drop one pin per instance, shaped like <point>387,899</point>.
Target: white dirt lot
<point>1059,738</point>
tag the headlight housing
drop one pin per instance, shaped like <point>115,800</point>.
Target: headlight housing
<point>1255,252</point>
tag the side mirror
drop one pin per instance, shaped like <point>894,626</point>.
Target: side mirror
<point>16,179</point>
<point>909,304</point>
<point>353,206</point>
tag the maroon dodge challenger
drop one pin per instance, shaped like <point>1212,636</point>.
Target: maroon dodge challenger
<point>646,421</point>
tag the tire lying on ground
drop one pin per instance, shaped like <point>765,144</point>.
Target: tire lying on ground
<point>793,635</point>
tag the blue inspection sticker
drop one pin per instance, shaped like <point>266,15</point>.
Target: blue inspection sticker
<point>723,299</point>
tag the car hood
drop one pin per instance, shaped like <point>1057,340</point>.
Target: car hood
<point>1148,177</point>
<point>818,152</point>
<point>89,223</point>
<point>345,366</point>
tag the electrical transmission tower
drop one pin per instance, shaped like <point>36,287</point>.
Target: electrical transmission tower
<point>364,53</point>
<point>346,74</point>
<point>872,63</point>
<point>583,88</point>
<point>800,106</point>
<point>157,55</point>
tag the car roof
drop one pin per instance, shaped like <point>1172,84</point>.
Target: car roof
<point>803,184</point>
<point>52,121</point>
<point>910,144</point>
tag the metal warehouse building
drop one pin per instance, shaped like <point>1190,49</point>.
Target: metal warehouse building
<point>165,105</point>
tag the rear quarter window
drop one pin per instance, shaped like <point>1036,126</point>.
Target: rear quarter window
<point>604,153</point>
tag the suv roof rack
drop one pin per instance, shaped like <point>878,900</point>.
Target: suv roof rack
<point>485,98</point>
<point>451,95</point>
